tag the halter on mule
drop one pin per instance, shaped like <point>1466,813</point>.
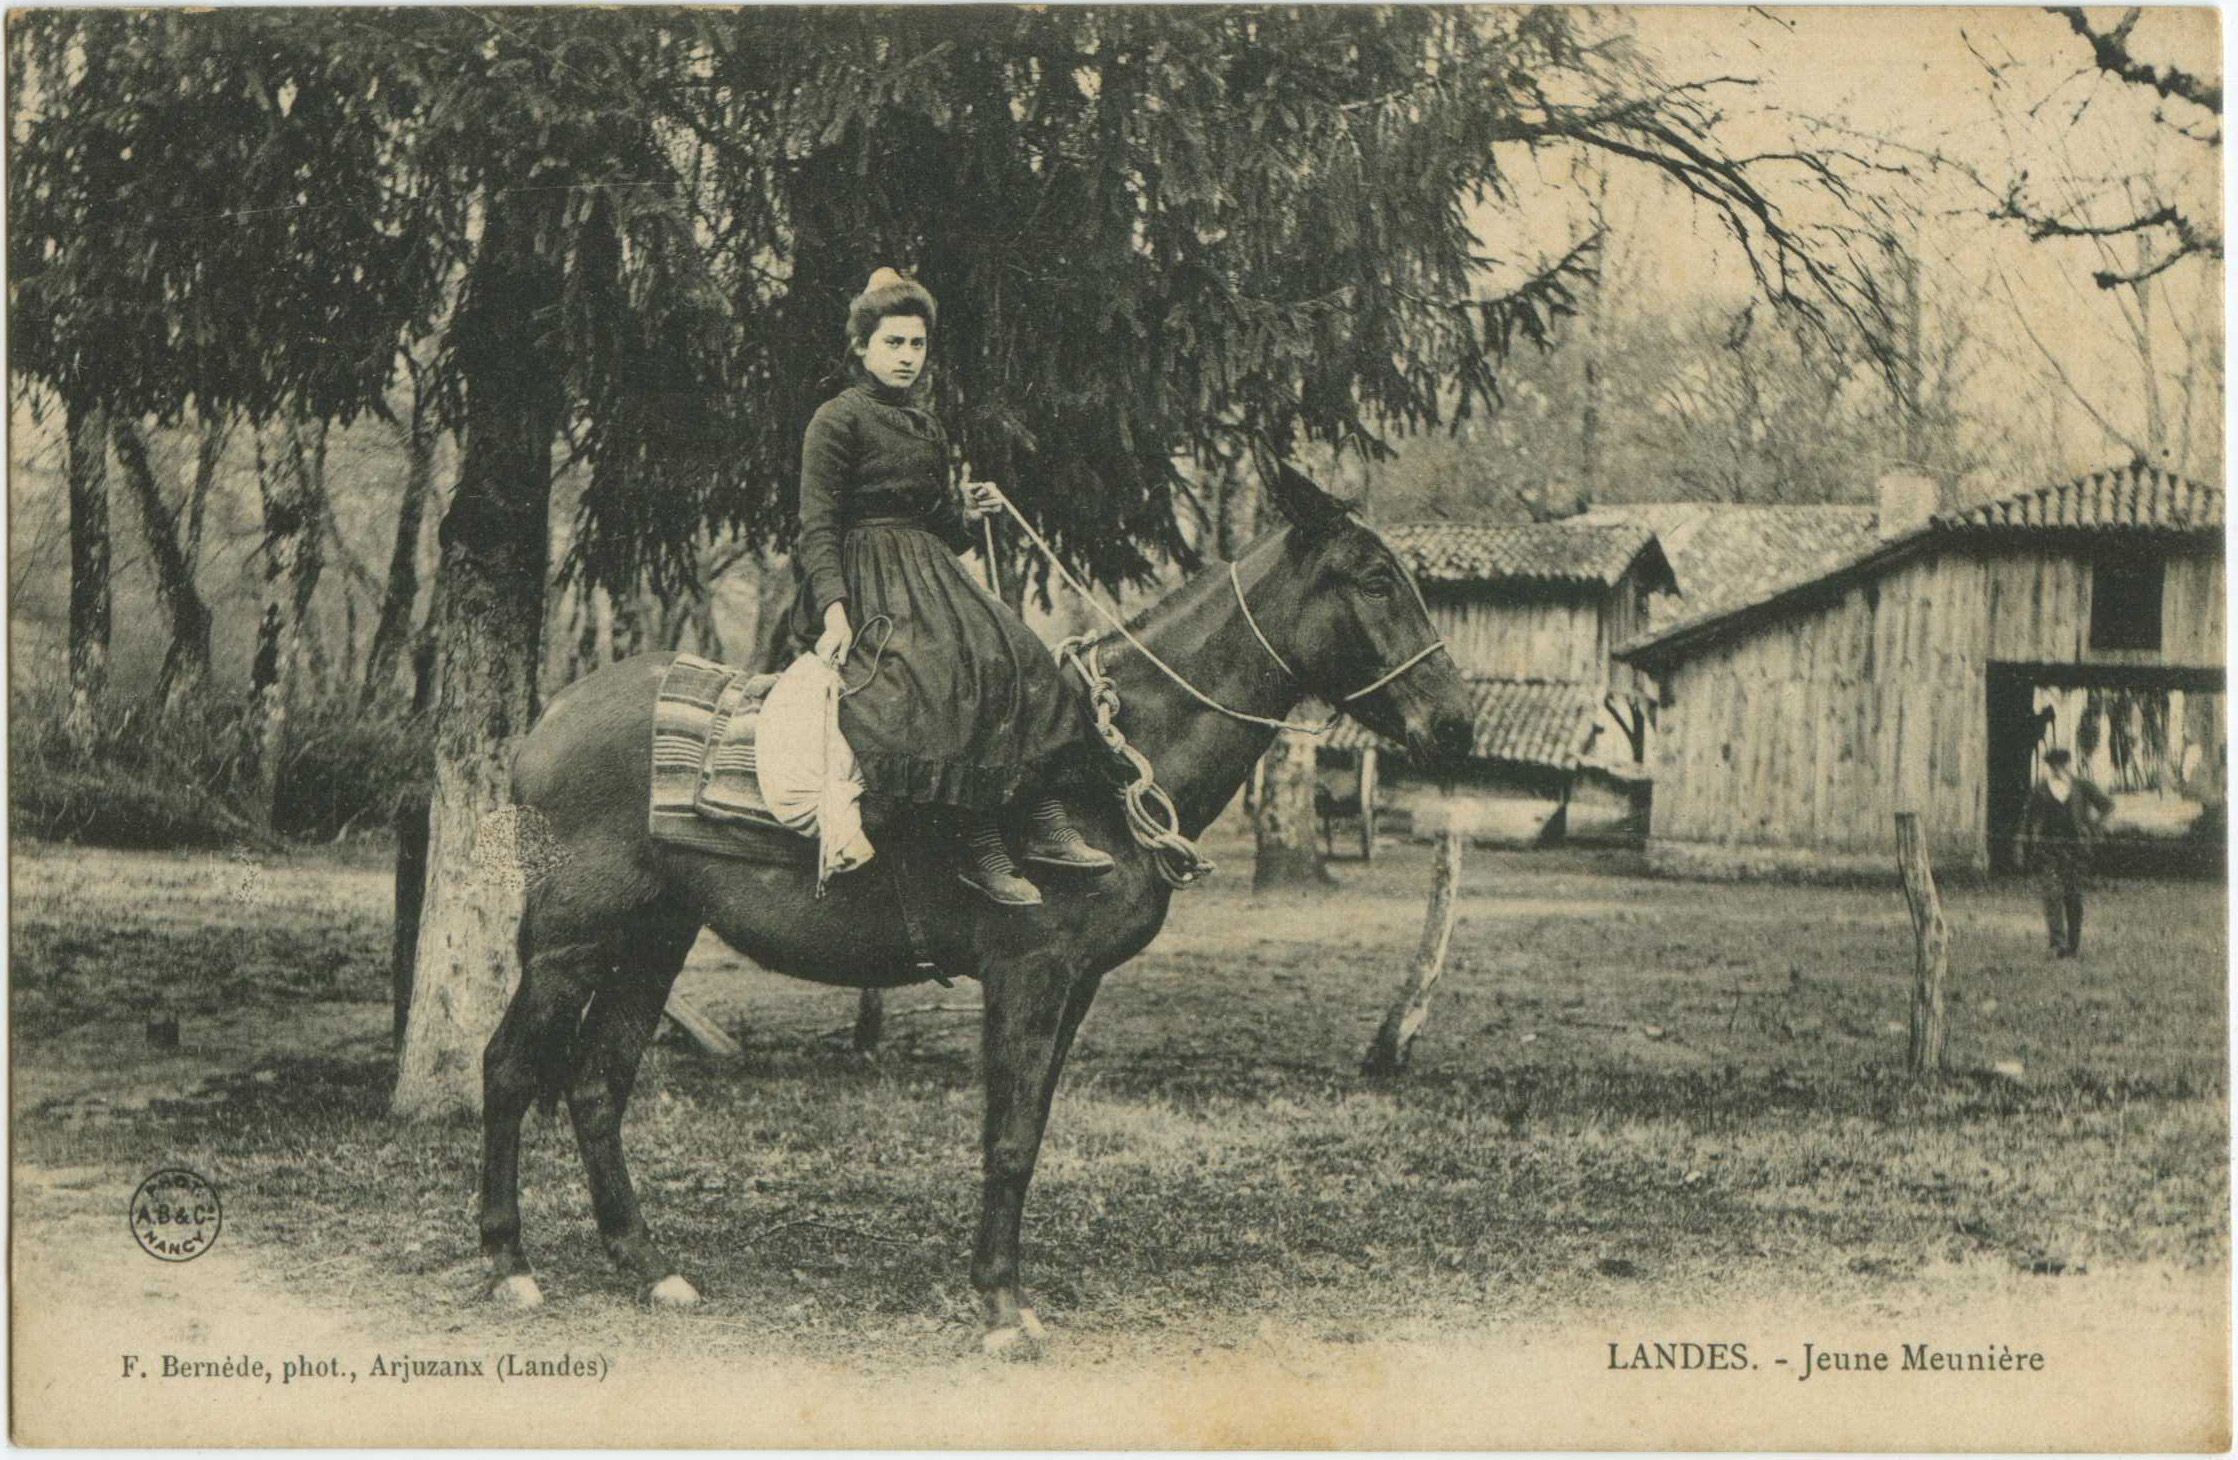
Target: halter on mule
<point>1151,817</point>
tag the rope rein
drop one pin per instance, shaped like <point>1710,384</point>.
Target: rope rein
<point>1176,675</point>
<point>1152,819</point>
<point>1144,649</point>
<point>877,658</point>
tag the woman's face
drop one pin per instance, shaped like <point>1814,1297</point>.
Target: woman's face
<point>895,352</point>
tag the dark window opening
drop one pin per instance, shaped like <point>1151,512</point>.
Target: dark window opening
<point>2125,605</point>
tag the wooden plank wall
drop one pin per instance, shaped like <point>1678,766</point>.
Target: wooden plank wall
<point>2191,612</point>
<point>1514,636</point>
<point>1814,730</point>
<point>1623,616</point>
<point>2038,611</point>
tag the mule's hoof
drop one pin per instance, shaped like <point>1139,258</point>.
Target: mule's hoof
<point>518,1291</point>
<point>1019,1344</point>
<point>1032,1325</point>
<point>673,1292</point>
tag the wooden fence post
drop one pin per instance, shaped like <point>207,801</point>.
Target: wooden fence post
<point>1367,803</point>
<point>701,1030</point>
<point>1387,1052</point>
<point>870,1021</point>
<point>1931,948</point>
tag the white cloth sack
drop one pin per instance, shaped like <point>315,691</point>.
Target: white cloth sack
<point>807,771</point>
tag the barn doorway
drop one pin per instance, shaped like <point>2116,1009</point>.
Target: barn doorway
<point>2013,733</point>
<point>2151,736</point>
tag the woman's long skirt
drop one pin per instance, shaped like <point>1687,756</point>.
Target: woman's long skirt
<point>960,703</point>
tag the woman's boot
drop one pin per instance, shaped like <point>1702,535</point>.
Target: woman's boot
<point>1054,841</point>
<point>988,866</point>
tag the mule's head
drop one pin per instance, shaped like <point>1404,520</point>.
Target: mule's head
<point>1354,617</point>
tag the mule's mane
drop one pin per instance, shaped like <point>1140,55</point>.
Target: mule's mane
<point>1185,599</point>
<point>1194,589</point>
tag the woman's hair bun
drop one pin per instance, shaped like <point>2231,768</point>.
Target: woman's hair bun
<point>888,292</point>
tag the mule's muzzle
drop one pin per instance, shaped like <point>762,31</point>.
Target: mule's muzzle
<point>1451,736</point>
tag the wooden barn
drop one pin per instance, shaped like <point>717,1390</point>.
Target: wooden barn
<point>1531,612</point>
<point>1928,670</point>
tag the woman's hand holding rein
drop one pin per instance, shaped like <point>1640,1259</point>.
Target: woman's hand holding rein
<point>838,635</point>
<point>981,499</point>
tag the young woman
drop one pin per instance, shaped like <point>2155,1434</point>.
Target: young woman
<point>960,705</point>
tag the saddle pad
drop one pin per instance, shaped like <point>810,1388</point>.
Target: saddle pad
<point>705,793</point>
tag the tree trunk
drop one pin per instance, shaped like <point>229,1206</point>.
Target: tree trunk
<point>186,665</point>
<point>1235,511</point>
<point>308,467</point>
<point>1593,342</point>
<point>1930,1025</point>
<point>206,459</point>
<point>1394,1041</point>
<point>2190,385</point>
<point>1289,853</point>
<point>774,589</point>
<point>394,628</point>
<point>488,631</point>
<point>1915,399</point>
<point>411,889</point>
<point>423,652</point>
<point>347,670</point>
<point>1216,520</point>
<point>89,568</point>
<point>627,635</point>
<point>293,517</point>
<point>707,634</point>
<point>2156,431</point>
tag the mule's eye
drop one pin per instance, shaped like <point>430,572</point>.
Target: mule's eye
<point>1377,586</point>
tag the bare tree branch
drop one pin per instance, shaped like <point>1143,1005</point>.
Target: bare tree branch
<point>2059,369</point>
<point>2111,51</point>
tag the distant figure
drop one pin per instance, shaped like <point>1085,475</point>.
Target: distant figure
<point>2065,816</point>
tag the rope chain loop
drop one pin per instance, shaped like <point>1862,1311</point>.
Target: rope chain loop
<point>1151,817</point>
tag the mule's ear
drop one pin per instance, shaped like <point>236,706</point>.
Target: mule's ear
<point>1309,509</point>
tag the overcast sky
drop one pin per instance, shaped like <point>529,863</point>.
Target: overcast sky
<point>1989,91</point>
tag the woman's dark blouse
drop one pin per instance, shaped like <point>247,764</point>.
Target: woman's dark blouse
<point>870,453</point>
<point>962,705</point>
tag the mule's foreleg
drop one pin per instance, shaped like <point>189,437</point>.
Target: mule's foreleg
<point>1031,1010</point>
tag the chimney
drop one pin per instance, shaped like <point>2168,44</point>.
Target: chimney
<point>1906,502</point>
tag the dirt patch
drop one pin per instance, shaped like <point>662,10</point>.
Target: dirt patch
<point>1633,1097</point>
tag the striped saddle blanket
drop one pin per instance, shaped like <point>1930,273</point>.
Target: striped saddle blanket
<point>706,794</point>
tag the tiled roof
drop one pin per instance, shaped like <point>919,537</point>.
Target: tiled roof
<point>1538,722</point>
<point>1349,733</point>
<point>1490,552</point>
<point>2116,503</point>
<point>2131,498</point>
<point>1724,555</point>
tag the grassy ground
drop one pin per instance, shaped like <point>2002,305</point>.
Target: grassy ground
<point>1627,1087</point>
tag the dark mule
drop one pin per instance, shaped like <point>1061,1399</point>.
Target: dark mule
<point>611,914</point>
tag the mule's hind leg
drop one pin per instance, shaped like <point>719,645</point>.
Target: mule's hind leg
<point>527,1054</point>
<point>620,1024</point>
